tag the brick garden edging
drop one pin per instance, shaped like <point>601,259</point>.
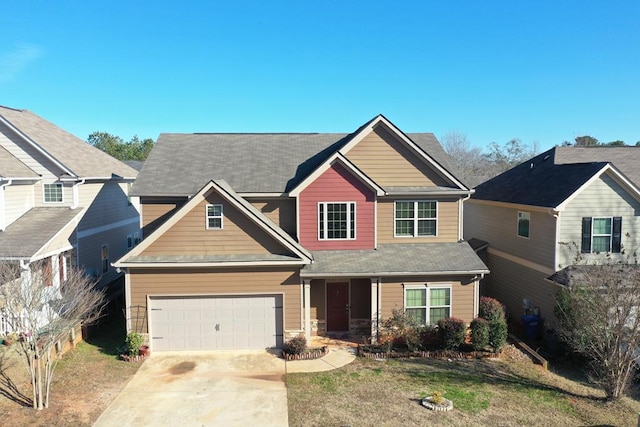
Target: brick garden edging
<point>427,354</point>
<point>310,354</point>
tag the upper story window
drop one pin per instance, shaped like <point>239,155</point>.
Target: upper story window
<point>428,304</point>
<point>105,258</point>
<point>214,217</point>
<point>416,218</point>
<point>601,234</point>
<point>524,221</point>
<point>337,221</point>
<point>53,193</point>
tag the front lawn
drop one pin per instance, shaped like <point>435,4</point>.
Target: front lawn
<point>507,392</point>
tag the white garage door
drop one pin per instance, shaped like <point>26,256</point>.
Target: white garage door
<point>215,322</point>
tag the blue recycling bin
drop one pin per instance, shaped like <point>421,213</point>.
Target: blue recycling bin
<point>530,323</point>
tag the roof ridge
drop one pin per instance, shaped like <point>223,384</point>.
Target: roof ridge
<point>20,110</point>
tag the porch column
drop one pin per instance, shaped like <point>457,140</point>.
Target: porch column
<point>375,309</point>
<point>307,309</point>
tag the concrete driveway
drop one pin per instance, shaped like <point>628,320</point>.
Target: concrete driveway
<point>234,388</point>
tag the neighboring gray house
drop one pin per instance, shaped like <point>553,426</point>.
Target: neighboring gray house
<point>63,203</point>
<point>586,196</point>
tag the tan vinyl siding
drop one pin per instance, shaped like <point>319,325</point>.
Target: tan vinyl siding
<point>318,299</point>
<point>18,199</point>
<point>228,281</point>
<point>156,211</point>
<point>499,226</point>
<point>281,211</point>
<point>392,295</point>
<point>509,283</point>
<point>603,198</point>
<point>38,197</point>
<point>106,204</point>
<point>239,235</point>
<point>447,230</point>
<point>388,162</point>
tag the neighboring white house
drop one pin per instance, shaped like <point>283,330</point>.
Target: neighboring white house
<point>587,197</point>
<point>63,203</point>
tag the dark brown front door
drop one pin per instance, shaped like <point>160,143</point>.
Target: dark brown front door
<point>337,307</point>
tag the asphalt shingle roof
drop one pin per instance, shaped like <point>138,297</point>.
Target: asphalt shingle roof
<point>397,259</point>
<point>250,162</point>
<point>11,167</point>
<point>625,159</point>
<point>81,158</point>
<point>29,233</point>
<point>538,181</point>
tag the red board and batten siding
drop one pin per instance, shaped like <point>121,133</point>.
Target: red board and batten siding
<point>337,184</point>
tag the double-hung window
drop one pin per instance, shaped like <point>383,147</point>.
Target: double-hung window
<point>427,304</point>
<point>416,218</point>
<point>105,258</point>
<point>524,221</point>
<point>53,193</point>
<point>601,234</point>
<point>214,217</point>
<point>337,221</point>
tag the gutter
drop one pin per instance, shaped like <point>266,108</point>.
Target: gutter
<point>395,274</point>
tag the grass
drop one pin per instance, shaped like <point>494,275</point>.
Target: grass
<point>484,392</point>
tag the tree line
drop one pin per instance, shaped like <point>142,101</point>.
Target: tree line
<point>134,149</point>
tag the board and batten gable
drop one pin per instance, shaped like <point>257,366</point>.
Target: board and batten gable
<point>238,236</point>
<point>389,162</point>
<point>228,281</point>
<point>498,225</point>
<point>604,197</point>
<point>337,185</point>
<point>447,220</point>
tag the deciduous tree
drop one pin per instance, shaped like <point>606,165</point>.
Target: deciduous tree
<point>135,149</point>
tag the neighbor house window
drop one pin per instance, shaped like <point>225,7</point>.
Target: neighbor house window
<point>416,218</point>
<point>214,217</point>
<point>53,193</point>
<point>105,258</point>
<point>601,234</point>
<point>524,220</point>
<point>133,240</point>
<point>428,304</point>
<point>336,221</point>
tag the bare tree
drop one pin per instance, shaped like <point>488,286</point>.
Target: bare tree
<point>596,316</point>
<point>43,315</point>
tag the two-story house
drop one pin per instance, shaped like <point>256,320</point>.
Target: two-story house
<point>540,215</point>
<point>251,239</point>
<point>63,203</point>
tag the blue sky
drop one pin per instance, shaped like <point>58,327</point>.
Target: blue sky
<point>544,71</point>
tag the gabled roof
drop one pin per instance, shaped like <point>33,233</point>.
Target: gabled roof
<point>457,258</point>
<point>249,162</point>
<point>73,155</point>
<point>11,167</point>
<point>136,258</point>
<point>625,159</point>
<point>538,182</point>
<point>27,235</point>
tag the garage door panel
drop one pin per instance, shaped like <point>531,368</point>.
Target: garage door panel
<point>216,322</point>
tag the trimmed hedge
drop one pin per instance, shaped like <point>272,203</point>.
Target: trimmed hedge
<point>453,332</point>
<point>480,333</point>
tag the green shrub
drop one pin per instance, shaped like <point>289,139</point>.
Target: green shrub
<point>491,309</point>
<point>497,334</point>
<point>452,332</point>
<point>132,343</point>
<point>480,333</point>
<point>401,331</point>
<point>295,345</point>
<point>430,338</point>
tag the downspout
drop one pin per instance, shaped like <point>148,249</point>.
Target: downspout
<point>76,196</point>
<point>461,216</point>
<point>2,219</point>
<point>556,249</point>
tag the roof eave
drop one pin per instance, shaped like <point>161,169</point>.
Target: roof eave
<point>173,264</point>
<point>396,273</point>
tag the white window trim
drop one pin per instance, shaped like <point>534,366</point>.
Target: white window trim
<point>44,197</point>
<point>528,214</point>
<point>593,234</point>
<point>325,222</point>
<point>415,219</point>
<point>207,216</point>
<point>427,287</point>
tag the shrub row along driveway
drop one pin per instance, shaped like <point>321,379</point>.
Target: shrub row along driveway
<point>235,388</point>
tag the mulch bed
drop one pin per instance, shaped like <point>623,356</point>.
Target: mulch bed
<point>309,354</point>
<point>370,352</point>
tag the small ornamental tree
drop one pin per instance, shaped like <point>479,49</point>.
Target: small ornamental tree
<point>44,315</point>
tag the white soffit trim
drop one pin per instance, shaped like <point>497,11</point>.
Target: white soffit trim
<point>404,138</point>
<point>337,157</point>
<point>35,145</point>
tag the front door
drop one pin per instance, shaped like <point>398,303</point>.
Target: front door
<point>337,307</point>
